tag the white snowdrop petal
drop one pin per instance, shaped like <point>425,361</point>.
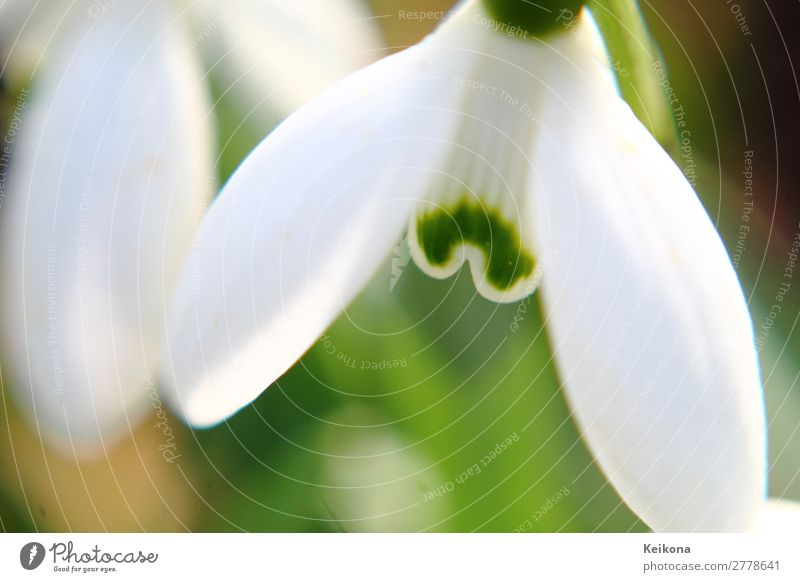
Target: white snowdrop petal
<point>301,227</point>
<point>649,325</point>
<point>13,16</point>
<point>273,56</point>
<point>108,182</point>
<point>780,517</point>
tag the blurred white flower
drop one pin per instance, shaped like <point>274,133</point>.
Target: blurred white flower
<point>370,477</point>
<point>780,517</point>
<point>111,171</point>
<point>517,155</point>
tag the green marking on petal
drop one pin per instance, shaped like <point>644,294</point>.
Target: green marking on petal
<point>441,232</point>
<point>537,17</point>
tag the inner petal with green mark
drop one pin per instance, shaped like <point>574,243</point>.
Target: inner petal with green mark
<point>477,208</point>
<point>446,237</point>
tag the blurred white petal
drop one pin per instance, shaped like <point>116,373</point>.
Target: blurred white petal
<point>27,29</point>
<point>273,56</point>
<point>373,479</point>
<point>650,328</point>
<point>301,227</point>
<point>107,185</point>
<point>14,14</point>
<point>780,517</point>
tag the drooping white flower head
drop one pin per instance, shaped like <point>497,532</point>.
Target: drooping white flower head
<point>513,153</point>
<point>111,170</point>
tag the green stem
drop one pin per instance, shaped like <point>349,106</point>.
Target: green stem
<point>536,18</point>
<point>639,68</point>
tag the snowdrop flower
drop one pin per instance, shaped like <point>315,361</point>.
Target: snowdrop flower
<point>499,143</point>
<point>111,171</point>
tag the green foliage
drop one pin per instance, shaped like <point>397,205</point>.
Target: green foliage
<point>425,410</point>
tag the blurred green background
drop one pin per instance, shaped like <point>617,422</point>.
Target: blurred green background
<point>387,423</point>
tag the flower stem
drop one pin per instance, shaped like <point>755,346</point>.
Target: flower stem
<point>537,18</point>
<point>638,66</point>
